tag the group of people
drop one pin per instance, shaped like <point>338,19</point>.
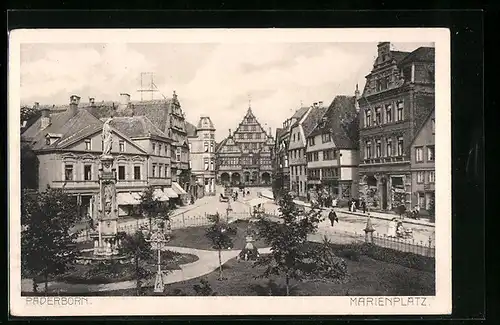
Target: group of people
<point>397,229</point>
<point>355,204</point>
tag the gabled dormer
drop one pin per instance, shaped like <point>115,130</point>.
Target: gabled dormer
<point>51,138</point>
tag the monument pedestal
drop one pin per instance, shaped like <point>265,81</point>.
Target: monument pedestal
<point>105,239</point>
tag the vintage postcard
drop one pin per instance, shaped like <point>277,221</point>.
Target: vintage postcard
<point>229,172</point>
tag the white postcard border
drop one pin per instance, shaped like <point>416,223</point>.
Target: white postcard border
<point>124,306</point>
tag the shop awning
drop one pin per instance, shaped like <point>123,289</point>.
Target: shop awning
<point>170,193</point>
<point>178,189</point>
<point>267,194</point>
<point>159,195</point>
<point>126,199</point>
<point>257,201</point>
<point>302,203</point>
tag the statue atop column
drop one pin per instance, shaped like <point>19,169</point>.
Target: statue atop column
<point>107,137</point>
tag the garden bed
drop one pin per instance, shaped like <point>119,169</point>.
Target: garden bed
<point>108,272</point>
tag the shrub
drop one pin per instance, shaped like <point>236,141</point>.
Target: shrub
<point>204,289</point>
<point>388,255</point>
<point>350,254</point>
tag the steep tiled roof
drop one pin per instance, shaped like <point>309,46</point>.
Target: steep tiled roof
<point>341,122</point>
<point>399,55</point>
<point>298,115</point>
<point>312,119</point>
<point>422,54</point>
<point>136,126</point>
<point>156,111</point>
<point>219,145</point>
<point>71,126</point>
<point>300,112</point>
<point>190,129</point>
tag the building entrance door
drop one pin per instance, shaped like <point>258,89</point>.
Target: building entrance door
<point>384,194</point>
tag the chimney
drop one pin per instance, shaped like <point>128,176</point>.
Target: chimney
<point>383,49</point>
<point>229,132</point>
<point>270,134</point>
<point>45,119</point>
<point>320,103</point>
<point>37,105</point>
<point>91,101</point>
<point>124,100</point>
<point>74,100</point>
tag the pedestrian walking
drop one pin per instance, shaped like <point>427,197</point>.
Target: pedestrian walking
<point>333,216</point>
<point>353,207</point>
<point>363,205</point>
<point>349,204</point>
<point>391,229</point>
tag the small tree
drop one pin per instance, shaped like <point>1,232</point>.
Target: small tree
<point>149,205</point>
<point>28,112</point>
<point>220,233</point>
<point>46,243</point>
<point>287,237</point>
<point>139,249</point>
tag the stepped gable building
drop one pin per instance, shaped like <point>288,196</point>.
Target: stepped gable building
<point>423,174</point>
<point>244,157</point>
<point>397,98</point>
<point>167,115</point>
<point>67,145</point>
<point>332,150</point>
<point>202,156</point>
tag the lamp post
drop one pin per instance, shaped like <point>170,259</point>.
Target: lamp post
<point>157,240</point>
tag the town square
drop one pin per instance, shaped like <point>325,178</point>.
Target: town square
<point>141,180</point>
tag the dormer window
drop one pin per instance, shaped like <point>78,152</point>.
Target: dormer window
<point>47,141</point>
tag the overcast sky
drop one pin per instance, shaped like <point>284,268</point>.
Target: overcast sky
<point>210,79</point>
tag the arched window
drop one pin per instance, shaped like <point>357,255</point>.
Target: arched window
<point>205,145</point>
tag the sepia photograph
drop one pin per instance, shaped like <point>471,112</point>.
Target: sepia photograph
<point>237,167</point>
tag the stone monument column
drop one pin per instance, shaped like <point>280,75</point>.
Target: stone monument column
<point>108,208</point>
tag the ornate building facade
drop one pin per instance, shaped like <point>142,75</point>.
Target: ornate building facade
<point>244,157</point>
<point>202,156</point>
<point>68,145</point>
<point>397,98</point>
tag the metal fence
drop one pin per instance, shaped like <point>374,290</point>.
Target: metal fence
<point>425,248</point>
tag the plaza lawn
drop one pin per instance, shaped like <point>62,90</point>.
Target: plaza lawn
<point>194,237</point>
<point>366,277</point>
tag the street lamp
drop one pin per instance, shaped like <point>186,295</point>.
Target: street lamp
<point>157,240</point>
